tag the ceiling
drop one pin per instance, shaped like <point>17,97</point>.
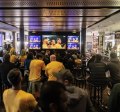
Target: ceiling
<point>55,15</point>
<point>110,25</point>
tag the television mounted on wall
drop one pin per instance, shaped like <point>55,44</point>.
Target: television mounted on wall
<point>53,42</point>
<point>73,42</point>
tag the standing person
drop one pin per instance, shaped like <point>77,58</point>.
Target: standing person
<point>78,99</point>
<point>98,71</point>
<point>69,61</point>
<point>53,97</point>
<point>47,57</point>
<point>26,67</point>
<point>22,58</point>
<point>5,67</point>
<point>53,67</point>
<point>114,99</point>
<point>28,60</point>
<point>37,67</point>
<point>114,68</point>
<point>13,57</point>
<point>91,60</point>
<point>16,100</point>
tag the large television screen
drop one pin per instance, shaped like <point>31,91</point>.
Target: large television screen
<point>53,42</point>
<point>73,43</point>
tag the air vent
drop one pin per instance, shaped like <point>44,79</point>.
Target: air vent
<point>58,3</point>
<point>62,3</point>
<point>18,3</point>
<point>82,3</point>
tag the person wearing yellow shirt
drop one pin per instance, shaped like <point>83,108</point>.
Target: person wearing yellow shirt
<point>15,99</point>
<point>13,57</point>
<point>58,45</point>
<point>45,44</point>
<point>53,46</point>
<point>37,66</point>
<point>53,67</point>
<point>22,57</point>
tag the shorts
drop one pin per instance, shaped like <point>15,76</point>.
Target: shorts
<point>34,87</point>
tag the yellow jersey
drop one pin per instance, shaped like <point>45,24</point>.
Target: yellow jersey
<point>22,59</point>
<point>13,58</point>
<point>58,46</point>
<point>53,67</point>
<point>36,66</point>
<point>18,101</point>
<point>44,46</point>
<point>53,46</point>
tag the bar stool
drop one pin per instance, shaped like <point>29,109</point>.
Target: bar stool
<point>81,82</point>
<point>79,77</point>
<point>96,92</point>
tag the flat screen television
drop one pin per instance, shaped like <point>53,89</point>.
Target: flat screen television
<point>73,43</point>
<point>34,42</point>
<point>73,46</point>
<point>53,42</point>
<point>35,38</point>
<point>34,45</point>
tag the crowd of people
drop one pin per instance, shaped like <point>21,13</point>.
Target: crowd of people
<point>50,81</point>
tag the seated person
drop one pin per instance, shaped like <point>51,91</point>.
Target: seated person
<point>78,99</point>
<point>53,97</point>
<point>16,100</point>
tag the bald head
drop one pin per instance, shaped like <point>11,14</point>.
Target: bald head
<point>52,57</point>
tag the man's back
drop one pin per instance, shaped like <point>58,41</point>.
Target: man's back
<point>98,70</point>
<point>114,99</point>
<point>18,101</point>
<point>36,66</point>
<point>5,67</point>
<point>78,100</point>
<point>53,67</point>
<point>114,68</point>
